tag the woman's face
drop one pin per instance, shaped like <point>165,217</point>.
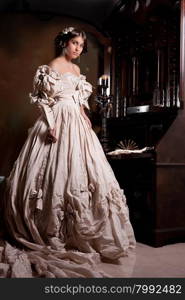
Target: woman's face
<point>75,47</point>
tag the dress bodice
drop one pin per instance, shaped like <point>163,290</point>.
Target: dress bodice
<point>49,87</point>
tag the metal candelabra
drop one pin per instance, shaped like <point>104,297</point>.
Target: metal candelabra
<point>105,102</point>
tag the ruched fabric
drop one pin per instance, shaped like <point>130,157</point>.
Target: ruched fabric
<point>63,203</point>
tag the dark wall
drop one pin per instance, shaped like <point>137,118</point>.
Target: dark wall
<point>27,42</point>
<point>171,148</point>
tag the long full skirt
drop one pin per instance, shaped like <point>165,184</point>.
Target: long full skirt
<point>63,202</point>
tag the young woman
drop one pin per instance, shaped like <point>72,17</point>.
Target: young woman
<point>63,201</point>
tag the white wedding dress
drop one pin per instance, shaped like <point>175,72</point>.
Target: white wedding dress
<point>63,204</point>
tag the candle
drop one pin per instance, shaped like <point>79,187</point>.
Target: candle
<point>104,83</point>
<point>108,91</point>
<point>105,80</point>
<point>100,81</point>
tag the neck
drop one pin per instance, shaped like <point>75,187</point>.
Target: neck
<point>66,59</point>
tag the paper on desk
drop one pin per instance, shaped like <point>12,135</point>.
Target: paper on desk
<point>127,151</point>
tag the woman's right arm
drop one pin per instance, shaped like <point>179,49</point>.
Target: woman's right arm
<point>42,97</point>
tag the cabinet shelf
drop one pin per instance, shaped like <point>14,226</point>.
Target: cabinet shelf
<point>145,129</point>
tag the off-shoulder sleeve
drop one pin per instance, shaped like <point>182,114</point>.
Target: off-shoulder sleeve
<point>43,93</point>
<point>83,91</point>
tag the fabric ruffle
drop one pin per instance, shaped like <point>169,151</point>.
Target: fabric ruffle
<point>45,84</point>
<point>83,91</point>
<point>48,88</point>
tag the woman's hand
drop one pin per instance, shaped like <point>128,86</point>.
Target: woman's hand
<point>52,135</point>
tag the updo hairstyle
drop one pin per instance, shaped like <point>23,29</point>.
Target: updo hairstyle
<point>65,36</point>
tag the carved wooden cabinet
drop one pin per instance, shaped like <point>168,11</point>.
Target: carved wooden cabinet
<point>148,69</point>
<point>137,173</point>
<point>136,176</point>
<point>146,54</point>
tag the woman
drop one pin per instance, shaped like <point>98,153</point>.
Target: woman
<point>63,201</point>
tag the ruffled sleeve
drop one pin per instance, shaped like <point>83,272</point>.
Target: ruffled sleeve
<point>83,91</point>
<point>44,86</point>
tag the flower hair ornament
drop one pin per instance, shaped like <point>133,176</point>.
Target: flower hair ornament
<point>67,30</point>
<point>62,37</point>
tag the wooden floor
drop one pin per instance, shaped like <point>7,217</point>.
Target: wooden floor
<point>165,262</point>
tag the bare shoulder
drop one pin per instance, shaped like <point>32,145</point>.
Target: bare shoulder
<point>76,69</point>
<point>53,64</point>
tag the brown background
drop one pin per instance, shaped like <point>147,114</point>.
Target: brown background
<point>27,42</point>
